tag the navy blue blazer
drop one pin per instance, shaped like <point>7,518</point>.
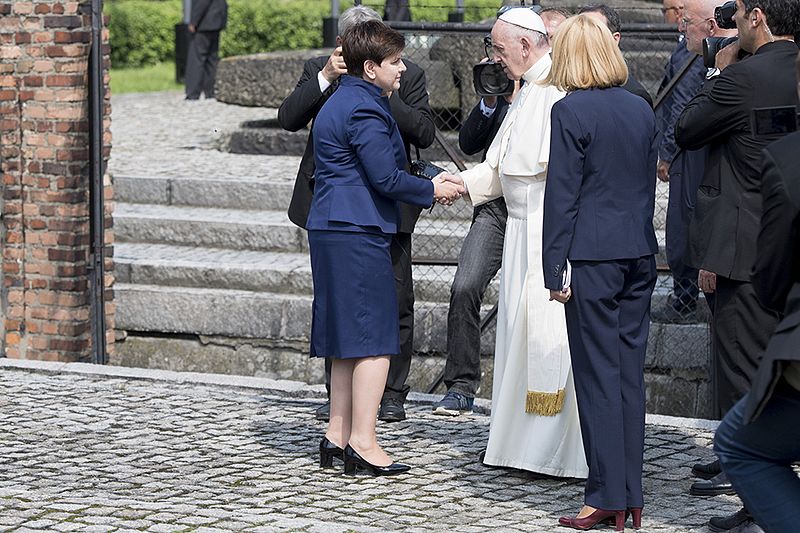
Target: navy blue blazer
<point>360,157</point>
<point>601,179</point>
<point>671,107</point>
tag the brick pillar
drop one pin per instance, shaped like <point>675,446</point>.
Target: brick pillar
<point>44,160</point>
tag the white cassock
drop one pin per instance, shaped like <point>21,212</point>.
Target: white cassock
<point>534,423</point>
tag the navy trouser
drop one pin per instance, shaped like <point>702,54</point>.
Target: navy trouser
<point>758,457</point>
<point>684,179</point>
<point>608,321</point>
<point>478,262</point>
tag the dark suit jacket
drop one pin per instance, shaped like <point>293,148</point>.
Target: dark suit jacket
<point>724,227</point>
<point>209,15</point>
<point>410,109</point>
<point>633,86</point>
<point>478,131</point>
<point>600,192</point>
<point>359,156</point>
<point>671,107</point>
<point>776,274</point>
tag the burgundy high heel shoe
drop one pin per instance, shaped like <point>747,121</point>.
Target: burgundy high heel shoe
<point>598,516</point>
<point>636,514</point>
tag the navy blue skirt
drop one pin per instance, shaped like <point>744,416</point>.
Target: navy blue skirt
<point>355,310</point>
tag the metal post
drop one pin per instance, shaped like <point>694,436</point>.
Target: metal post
<point>330,26</point>
<point>96,172</point>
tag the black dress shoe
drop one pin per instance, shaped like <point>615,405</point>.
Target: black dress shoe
<point>706,470</point>
<point>718,524</point>
<point>715,486</point>
<point>323,413</point>
<point>353,462</point>
<point>328,451</point>
<point>391,410</point>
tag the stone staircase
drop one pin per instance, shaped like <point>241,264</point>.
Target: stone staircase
<point>211,275</point>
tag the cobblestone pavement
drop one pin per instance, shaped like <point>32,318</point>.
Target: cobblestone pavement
<point>161,134</point>
<point>88,448</point>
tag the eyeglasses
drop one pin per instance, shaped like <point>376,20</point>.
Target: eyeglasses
<point>677,9</point>
<point>685,23</point>
<point>487,47</point>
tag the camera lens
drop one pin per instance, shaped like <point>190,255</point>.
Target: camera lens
<point>490,80</point>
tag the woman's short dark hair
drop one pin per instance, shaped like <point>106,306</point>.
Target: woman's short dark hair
<point>367,40</point>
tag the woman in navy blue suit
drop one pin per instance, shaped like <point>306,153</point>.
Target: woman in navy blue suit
<point>359,177</point>
<point>598,258</point>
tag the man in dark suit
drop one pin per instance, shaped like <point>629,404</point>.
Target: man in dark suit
<point>208,18</point>
<point>414,119</point>
<point>723,230</point>
<point>683,170</point>
<point>759,438</point>
<point>609,16</point>
<point>396,10</point>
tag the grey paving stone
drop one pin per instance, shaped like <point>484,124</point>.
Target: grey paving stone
<point>95,452</point>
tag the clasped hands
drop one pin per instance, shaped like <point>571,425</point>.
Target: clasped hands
<point>447,188</point>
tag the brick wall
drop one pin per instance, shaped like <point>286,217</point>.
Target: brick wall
<point>44,160</point>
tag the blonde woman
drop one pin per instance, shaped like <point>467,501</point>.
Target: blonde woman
<point>598,258</point>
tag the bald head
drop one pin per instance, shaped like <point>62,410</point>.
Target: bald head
<point>698,23</point>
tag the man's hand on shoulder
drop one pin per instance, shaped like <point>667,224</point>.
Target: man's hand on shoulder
<point>335,66</point>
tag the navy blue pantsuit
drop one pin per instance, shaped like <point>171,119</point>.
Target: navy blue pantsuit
<point>598,216</point>
<point>608,321</point>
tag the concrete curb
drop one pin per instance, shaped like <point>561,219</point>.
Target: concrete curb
<point>291,389</point>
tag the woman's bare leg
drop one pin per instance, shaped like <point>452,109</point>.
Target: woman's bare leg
<point>369,380</point>
<point>341,421</point>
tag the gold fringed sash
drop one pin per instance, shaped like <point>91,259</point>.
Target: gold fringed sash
<point>544,403</point>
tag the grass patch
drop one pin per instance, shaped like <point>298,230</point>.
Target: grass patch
<point>159,77</point>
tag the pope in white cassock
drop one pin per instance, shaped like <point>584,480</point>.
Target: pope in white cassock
<point>534,423</point>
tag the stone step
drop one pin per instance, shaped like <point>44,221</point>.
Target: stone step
<point>248,270</point>
<point>241,193</point>
<point>258,230</point>
<point>249,314</point>
<point>263,194</point>
<point>287,317</point>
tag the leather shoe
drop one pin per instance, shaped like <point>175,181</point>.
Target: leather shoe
<point>715,486</point>
<point>706,470</point>
<point>323,413</point>
<point>719,524</point>
<point>391,410</point>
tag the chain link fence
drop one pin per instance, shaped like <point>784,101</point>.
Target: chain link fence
<point>447,53</point>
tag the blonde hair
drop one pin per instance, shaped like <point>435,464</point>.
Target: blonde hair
<point>585,56</point>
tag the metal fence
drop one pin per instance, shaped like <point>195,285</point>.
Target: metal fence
<point>447,53</point>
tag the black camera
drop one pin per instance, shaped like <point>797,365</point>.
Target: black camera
<point>425,169</point>
<point>712,45</point>
<point>488,77</point>
<point>774,120</point>
<point>724,15</point>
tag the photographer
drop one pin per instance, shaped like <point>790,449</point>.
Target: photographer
<point>724,227</point>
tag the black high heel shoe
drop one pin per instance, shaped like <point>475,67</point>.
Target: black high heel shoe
<point>353,462</point>
<point>327,452</point>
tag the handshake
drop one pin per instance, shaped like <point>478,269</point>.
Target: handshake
<point>447,188</point>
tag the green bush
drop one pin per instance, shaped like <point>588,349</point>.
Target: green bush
<point>142,32</point>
